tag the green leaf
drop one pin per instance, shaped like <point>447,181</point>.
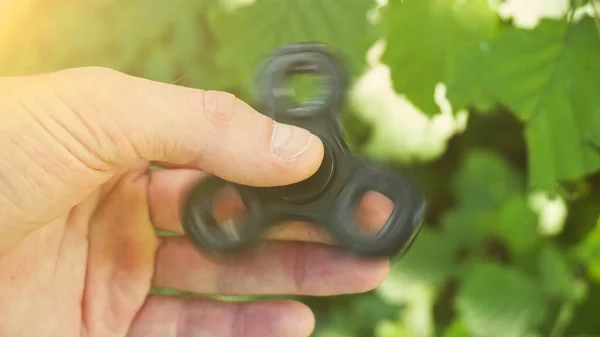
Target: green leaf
<point>457,329</point>
<point>588,251</point>
<point>389,328</point>
<point>351,315</point>
<point>491,201</point>
<point>248,34</point>
<point>515,223</point>
<point>360,316</point>
<point>485,180</point>
<point>549,78</point>
<point>557,278</point>
<point>585,322</point>
<point>367,310</point>
<point>430,260</point>
<point>425,36</point>
<point>497,301</point>
<point>511,221</point>
<point>460,226</point>
<point>414,281</point>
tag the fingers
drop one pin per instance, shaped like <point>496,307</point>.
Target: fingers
<point>120,259</point>
<point>177,317</point>
<point>133,119</point>
<point>275,268</point>
<point>168,189</point>
<point>166,194</point>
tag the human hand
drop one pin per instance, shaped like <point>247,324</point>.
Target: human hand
<point>79,210</point>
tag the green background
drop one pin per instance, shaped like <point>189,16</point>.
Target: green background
<point>489,262</point>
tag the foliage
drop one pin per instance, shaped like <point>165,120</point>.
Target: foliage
<point>511,243</point>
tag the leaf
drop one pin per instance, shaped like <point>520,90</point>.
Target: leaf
<point>511,221</point>
<point>557,278</point>
<point>491,201</point>
<point>389,328</point>
<point>588,251</point>
<point>430,260</point>
<point>460,225</point>
<point>549,78</point>
<point>360,316</point>
<point>367,310</point>
<point>350,315</point>
<point>585,322</point>
<point>248,34</point>
<point>425,36</point>
<point>457,329</point>
<point>515,223</point>
<point>413,281</point>
<point>497,301</point>
<point>485,180</point>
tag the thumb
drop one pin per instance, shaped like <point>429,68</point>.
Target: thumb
<point>133,119</point>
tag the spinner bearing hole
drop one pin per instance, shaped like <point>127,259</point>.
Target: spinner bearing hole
<point>229,211</point>
<point>373,211</point>
<point>304,87</point>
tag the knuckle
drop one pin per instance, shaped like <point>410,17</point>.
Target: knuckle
<point>219,107</point>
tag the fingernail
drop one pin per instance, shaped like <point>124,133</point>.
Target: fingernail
<point>289,142</point>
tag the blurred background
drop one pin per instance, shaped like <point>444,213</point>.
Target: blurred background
<point>494,105</point>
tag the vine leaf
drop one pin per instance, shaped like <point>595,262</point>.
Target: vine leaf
<point>456,329</point>
<point>556,276</point>
<point>549,78</point>
<point>425,36</point>
<point>588,251</point>
<point>430,261</point>
<point>485,181</point>
<point>248,34</point>
<point>499,301</point>
<point>490,202</point>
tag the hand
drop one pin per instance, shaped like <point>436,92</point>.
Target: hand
<point>79,210</point>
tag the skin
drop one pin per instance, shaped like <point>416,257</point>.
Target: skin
<point>79,210</point>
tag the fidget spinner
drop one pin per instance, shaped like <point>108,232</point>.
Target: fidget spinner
<point>330,197</point>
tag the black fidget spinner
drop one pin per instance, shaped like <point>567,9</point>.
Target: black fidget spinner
<point>330,197</point>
